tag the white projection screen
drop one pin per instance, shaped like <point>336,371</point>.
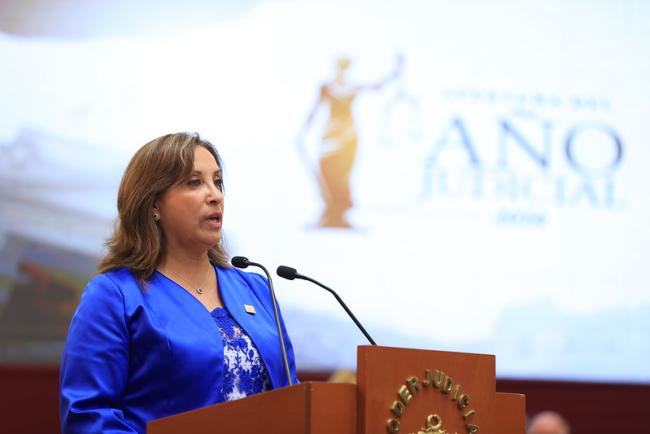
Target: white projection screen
<point>469,176</point>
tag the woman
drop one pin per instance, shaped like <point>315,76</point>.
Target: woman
<point>167,325</point>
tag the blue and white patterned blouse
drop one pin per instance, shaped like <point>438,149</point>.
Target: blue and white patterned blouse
<point>245,373</point>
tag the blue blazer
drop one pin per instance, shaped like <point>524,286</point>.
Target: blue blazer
<point>132,355</point>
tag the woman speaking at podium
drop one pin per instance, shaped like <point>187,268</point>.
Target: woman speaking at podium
<point>167,325</point>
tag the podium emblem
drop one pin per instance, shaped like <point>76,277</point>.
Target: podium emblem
<point>445,385</point>
<point>433,425</point>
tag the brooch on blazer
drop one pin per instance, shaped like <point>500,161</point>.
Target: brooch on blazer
<point>249,309</point>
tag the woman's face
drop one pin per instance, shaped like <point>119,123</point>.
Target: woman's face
<point>191,211</point>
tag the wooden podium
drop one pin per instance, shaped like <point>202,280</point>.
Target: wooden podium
<point>398,391</point>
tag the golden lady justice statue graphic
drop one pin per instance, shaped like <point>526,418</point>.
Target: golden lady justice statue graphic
<point>338,146</point>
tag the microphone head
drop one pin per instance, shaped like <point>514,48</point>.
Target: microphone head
<point>239,261</point>
<point>287,272</point>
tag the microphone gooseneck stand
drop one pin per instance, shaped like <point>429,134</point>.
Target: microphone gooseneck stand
<point>291,273</point>
<point>243,262</point>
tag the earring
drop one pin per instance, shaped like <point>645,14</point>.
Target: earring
<point>156,216</point>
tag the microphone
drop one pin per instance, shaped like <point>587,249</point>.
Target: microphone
<point>291,274</point>
<point>243,262</point>
<point>240,262</point>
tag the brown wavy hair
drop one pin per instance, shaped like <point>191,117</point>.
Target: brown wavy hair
<point>138,242</point>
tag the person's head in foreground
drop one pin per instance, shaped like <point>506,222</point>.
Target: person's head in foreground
<point>548,422</point>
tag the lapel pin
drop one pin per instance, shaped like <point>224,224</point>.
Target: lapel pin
<point>250,309</point>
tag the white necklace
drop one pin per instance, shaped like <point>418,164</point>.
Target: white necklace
<point>198,289</point>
